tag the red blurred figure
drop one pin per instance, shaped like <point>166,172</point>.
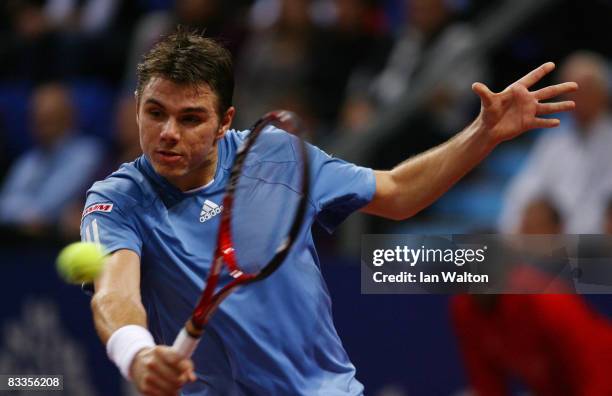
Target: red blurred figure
<point>551,344</point>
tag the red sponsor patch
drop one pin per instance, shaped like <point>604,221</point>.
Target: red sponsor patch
<point>100,207</point>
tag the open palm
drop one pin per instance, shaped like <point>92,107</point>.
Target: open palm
<point>515,110</point>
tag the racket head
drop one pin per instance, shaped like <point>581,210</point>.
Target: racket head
<point>264,208</point>
<point>267,194</point>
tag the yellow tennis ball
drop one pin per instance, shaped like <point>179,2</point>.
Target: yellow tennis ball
<point>80,262</point>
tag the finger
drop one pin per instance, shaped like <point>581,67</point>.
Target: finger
<point>484,93</point>
<point>168,355</point>
<point>154,385</point>
<point>166,373</point>
<point>544,123</point>
<point>188,376</point>
<point>555,107</point>
<point>536,75</point>
<point>555,90</point>
<point>151,391</point>
<point>170,358</point>
<point>186,367</point>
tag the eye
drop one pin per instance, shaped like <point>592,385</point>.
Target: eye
<point>191,119</point>
<point>154,113</point>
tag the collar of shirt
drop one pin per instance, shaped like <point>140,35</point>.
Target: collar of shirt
<point>172,195</point>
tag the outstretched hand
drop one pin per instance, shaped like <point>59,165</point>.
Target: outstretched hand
<point>509,113</point>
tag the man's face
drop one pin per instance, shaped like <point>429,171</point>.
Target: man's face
<point>539,218</point>
<point>179,128</point>
<point>51,113</point>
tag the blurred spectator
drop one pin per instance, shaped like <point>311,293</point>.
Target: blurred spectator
<point>127,139</point>
<point>4,155</point>
<point>214,18</point>
<point>47,178</point>
<point>273,65</point>
<point>608,218</point>
<point>93,35</point>
<point>50,39</point>
<point>126,148</point>
<point>28,45</point>
<point>430,37</point>
<point>541,217</point>
<point>89,16</point>
<point>351,45</point>
<point>301,54</point>
<point>571,166</point>
<point>550,344</point>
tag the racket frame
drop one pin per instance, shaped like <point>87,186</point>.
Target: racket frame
<point>188,338</point>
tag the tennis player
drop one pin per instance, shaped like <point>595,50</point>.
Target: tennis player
<point>159,215</point>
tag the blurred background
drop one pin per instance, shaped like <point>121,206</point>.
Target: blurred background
<point>375,81</point>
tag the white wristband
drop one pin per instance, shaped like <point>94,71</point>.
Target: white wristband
<point>125,343</point>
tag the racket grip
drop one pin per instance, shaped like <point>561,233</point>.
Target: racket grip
<point>185,344</point>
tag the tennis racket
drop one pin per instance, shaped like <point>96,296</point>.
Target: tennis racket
<point>263,210</point>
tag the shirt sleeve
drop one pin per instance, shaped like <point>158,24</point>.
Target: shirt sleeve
<point>338,188</point>
<point>69,177</point>
<point>105,221</point>
<point>528,185</point>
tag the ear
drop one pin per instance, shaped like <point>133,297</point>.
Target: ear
<point>226,122</point>
<point>137,97</point>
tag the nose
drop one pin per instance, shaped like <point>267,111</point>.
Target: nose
<point>170,132</point>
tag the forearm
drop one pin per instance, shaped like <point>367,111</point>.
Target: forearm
<point>416,183</point>
<point>113,310</point>
<point>120,321</point>
<point>419,181</point>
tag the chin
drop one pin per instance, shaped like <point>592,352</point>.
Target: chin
<point>168,171</point>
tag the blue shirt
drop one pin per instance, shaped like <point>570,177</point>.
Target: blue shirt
<point>42,183</point>
<point>275,337</point>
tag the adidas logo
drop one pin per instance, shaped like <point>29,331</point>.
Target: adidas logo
<point>209,210</point>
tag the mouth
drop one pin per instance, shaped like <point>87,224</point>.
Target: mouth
<point>167,156</point>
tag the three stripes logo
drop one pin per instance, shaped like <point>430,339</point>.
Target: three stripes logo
<point>209,210</point>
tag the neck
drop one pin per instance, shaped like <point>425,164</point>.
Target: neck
<point>586,122</point>
<point>201,176</point>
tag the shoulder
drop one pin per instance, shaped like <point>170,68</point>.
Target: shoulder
<point>83,142</point>
<point>125,188</point>
<point>463,30</point>
<point>277,145</point>
<point>233,139</point>
<point>456,37</point>
<point>30,158</point>
<point>270,134</point>
<point>273,145</point>
<point>78,146</point>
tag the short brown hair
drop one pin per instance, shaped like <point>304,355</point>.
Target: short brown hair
<point>185,57</point>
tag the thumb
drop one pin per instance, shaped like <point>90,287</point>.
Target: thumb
<point>484,93</point>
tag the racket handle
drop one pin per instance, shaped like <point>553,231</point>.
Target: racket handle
<point>185,344</point>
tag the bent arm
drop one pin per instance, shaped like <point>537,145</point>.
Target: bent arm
<point>419,181</point>
<point>155,369</point>
<point>117,302</point>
